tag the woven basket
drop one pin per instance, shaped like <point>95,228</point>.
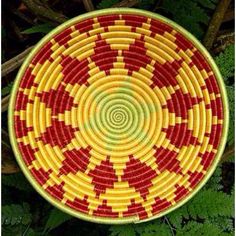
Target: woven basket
<point>118,116</point>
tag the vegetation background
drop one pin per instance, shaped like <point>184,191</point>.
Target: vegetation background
<point>26,213</point>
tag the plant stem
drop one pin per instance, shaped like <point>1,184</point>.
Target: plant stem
<point>14,62</point>
<point>171,228</point>
<point>126,3</point>
<point>215,23</point>
<point>229,15</point>
<point>5,103</point>
<point>42,10</point>
<point>222,41</point>
<point>229,151</point>
<point>88,4</point>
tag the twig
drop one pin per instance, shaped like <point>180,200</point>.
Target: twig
<point>4,103</point>
<point>215,23</point>
<point>23,17</point>
<point>229,15</point>
<point>26,230</point>
<point>226,36</point>
<point>126,3</point>
<point>222,41</point>
<point>88,5</point>
<point>44,11</point>
<point>171,228</point>
<point>229,151</point>
<point>15,62</point>
<point>16,30</point>
<point>225,31</point>
<point>9,165</point>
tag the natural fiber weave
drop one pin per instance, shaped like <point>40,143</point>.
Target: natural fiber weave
<point>118,116</point>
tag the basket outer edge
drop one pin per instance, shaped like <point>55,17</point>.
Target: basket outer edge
<point>126,220</point>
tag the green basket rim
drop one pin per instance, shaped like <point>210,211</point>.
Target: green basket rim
<point>125,220</point>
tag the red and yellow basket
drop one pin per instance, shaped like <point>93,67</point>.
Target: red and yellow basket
<point>118,116</point>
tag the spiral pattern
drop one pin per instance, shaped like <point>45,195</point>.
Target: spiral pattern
<point>118,116</point>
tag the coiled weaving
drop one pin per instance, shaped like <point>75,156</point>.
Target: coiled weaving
<point>118,116</point>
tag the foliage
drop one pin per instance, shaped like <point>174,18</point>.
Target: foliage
<point>214,183</point>
<point>208,204</point>
<point>231,98</point>
<point>157,227</point>
<point>224,224</point>
<point>153,228</point>
<point>194,228</point>
<point>16,214</point>
<point>120,230</point>
<point>107,3</point>
<point>18,230</point>
<point>192,15</point>
<point>6,90</point>
<point>56,218</point>
<point>42,28</point>
<point>17,181</point>
<point>225,62</point>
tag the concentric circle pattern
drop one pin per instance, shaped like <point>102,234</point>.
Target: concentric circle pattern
<point>118,116</point>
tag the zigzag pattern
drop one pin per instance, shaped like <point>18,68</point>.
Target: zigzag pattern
<point>118,116</point>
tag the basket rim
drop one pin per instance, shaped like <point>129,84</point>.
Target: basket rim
<point>133,219</point>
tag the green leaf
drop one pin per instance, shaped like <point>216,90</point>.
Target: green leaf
<point>211,4</point>
<point>43,28</point>
<point>230,93</point>
<point>193,228</point>
<point>16,214</point>
<point>107,3</point>
<point>31,232</point>
<point>17,181</point>
<point>6,90</point>
<point>233,191</point>
<point>176,217</point>
<point>223,223</point>
<point>225,62</point>
<point>56,218</point>
<point>154,228</point>
<point>209,203</point>
<point>214,183</point>
<point>190,14</point>
<point>16,230</point>
<point>122,230</point>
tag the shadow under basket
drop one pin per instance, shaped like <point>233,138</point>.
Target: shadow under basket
<point>118,116</point>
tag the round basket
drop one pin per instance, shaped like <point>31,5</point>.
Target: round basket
<point>118,116</point>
